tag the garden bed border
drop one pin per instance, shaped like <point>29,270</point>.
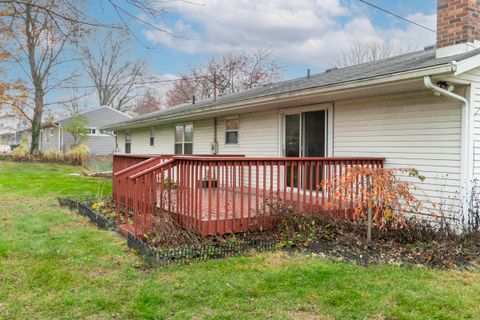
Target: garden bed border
<point>100,221</point>
<point>176,255</point>
<point>194,253</point>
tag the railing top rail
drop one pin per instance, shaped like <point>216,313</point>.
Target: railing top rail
<point>146,171</point>
<point>135,166</point>
<point>133,155</point>
<point>233,158</point>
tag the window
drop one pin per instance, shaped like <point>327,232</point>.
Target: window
<point>106,132</point>
<point>92,131</point>
<point>128,142</point>
<point>231,131</point>
<point>152,137</point>
<point>51,132</point>
<point>184,139</point>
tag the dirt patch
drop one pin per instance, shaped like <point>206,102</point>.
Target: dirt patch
<point>307,315</point>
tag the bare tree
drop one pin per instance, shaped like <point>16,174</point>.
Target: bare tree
<point>230,73</point>
<point>370,51</point>
<point>40,42</point>
<point>147,103</point>
<point>115,77</point>
<point>42,32</point>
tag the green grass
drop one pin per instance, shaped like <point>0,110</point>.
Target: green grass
<point>55,265</point>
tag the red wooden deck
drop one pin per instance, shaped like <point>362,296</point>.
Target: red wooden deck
<point>249,193</point>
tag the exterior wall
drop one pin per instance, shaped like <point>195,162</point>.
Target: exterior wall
<point>257,136</point>
<point>474,77</point>
<point>49,141</point>
<point>417,130</point>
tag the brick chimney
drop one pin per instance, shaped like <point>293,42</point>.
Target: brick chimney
<point>458,26</point>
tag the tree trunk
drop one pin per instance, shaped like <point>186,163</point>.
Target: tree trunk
<point>37,120</point>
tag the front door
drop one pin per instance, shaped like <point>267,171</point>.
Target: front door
<point>305,136</point>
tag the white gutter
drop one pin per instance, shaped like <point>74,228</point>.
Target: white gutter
<point>466,163</point>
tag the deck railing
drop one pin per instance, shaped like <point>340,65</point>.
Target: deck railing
<point>216,195</point>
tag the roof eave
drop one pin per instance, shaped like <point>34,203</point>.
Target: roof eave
<point>446,68</point>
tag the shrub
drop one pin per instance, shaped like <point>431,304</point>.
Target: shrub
<point>77,155</point>
<point>21,152</point>
<point>53,156</point>
<point>379,190</point>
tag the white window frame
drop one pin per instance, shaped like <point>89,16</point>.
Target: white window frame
<point>92,129</point>
<point>51,132</point>
<point>151,142</point>
<point>108,134</point>
<point>128,134</point>
<point>183,136</point>
<point>237,130</point>
<point>328,107</point>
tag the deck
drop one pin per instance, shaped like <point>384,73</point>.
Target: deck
<point>250,190</point>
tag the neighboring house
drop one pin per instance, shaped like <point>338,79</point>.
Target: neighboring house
<point>419,110</point>
<point>100,141</point>
<point>10,126</point>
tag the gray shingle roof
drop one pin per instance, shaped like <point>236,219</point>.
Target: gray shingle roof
<point>407,62</point>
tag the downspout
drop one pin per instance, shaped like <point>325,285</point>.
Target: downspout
<point>59,137</point>
<point>466,167</point>
<point>215,141</point>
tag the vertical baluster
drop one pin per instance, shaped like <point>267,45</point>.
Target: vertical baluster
<point>264,193</point>
<point>249,206</point>
<point>340,172</point>
<point>292,186</point>
<point>270,163</point>
<point>299,180</point>
<point>234,194</point>
<point>200,195</point>
<point>209,175</point>
<point>310,180</point>
<point>256,189</point>
<point>241,186</point>
<point>217,219</point>
<point>169,188</point>
<point>227,174</point>
<point>304,184</point>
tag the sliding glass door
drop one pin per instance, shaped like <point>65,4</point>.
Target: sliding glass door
<point>304,136</point>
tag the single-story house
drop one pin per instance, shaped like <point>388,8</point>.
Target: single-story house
<point>100,141</point>
<point>418,110</point>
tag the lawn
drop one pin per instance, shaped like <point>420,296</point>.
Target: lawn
<point>55,265</point>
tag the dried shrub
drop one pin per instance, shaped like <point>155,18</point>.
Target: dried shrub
<point>21,152</point>
<point>77,155</point>
<point>167,232</point>
<point>53,156</point>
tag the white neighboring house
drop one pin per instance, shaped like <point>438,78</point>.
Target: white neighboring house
<point>419,110</point>
<point>10,127</point>
<point>100,141</point>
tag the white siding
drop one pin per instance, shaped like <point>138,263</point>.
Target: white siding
<point>203,133</point>
<point>258,135</point>
<point>416,130</point>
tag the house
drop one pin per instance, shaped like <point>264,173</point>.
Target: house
<point>10,126</point>
<point>100,141</point>
<point>419,110</point>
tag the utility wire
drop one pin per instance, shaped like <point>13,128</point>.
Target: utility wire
<point>397,15</point>
<point>404,19</point>
<point>126,84</point>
